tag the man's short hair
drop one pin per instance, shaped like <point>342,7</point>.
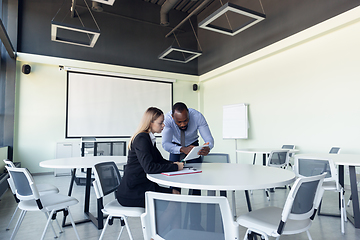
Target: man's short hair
<point>179,106</point>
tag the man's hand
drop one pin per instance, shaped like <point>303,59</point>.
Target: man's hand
<point>187,149</point>
<point>205,150</point>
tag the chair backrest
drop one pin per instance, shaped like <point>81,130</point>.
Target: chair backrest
<point>278,158</point>
<point>107,178</point>
<point>303,200</point>
<point>312,166</point>
<point>110,148</point>
<point>335,150</point>
<point>9,163</point>
<point>216,158</point>
<point>167,217</point>
<point>288,147</point>
<point>24,184</point>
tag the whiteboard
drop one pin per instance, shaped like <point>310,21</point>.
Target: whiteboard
<point>111,106</point>
<point>235,121</point>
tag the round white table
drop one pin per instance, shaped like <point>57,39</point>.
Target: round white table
<point>351,160</point>
<point>227,176</point>
<point>88,163</point>
<point>263,151</point>
<point>81,162</point>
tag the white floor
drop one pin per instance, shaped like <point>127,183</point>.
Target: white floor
<point>323,228</point>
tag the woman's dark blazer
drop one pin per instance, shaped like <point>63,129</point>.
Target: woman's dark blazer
<point>143,158</point>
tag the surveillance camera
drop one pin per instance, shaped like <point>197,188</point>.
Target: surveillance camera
<point>61,67</point>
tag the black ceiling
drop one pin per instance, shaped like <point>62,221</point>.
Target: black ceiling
<point>131,34</point>
<point>182,5</point>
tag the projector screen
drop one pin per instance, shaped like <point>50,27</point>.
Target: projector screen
<point>111,106</point>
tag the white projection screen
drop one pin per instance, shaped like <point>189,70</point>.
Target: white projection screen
<point>111,106</point>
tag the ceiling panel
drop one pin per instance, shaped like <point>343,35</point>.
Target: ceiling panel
<point>183,5</point>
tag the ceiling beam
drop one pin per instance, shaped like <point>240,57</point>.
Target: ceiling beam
<point>190,14</point>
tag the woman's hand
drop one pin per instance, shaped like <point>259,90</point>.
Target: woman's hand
<point>180,165</point>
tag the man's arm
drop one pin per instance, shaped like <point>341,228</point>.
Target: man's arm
<point>204,131</point>
<point>167,136</point>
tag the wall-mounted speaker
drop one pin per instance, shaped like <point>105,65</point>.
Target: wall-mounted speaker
<point>195,87</point>
<point>26,69</point>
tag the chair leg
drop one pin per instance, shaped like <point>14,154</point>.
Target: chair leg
<point>343,205</point>
<point>128,228</point>
<point>17,226</point>
<point>52,227</point>
<point>47,224</point>
<point>60,228</point>
<point>342,212</point>
<point>267,194</point>
<point>233,204</point>
<point>308,234</point>
<point>348,204</point>
<point>73,224</point>
<point>105,226</point>
<point>12,217</point>
<point>121,230</point>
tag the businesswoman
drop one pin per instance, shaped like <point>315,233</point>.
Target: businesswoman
<point>144,158</point>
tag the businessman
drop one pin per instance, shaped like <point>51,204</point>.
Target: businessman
<point>179,136</point>
<point>180,133</point>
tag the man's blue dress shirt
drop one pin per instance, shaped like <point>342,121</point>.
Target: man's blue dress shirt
<point>171,132</point>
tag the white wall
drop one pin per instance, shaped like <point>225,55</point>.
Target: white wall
<point>303,91</point>
<point>41,101</point>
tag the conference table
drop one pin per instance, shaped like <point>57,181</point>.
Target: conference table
<point>264,151</point>
<point>341,160</point>
<point>88,163</point>
<point>228,177</point>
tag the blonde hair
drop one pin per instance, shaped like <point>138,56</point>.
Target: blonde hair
<point>150,115</point>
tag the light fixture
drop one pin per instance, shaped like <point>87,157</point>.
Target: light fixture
<point>73,34</point>
<point>177,54</point>
<point>69,34</point>
<point>108,2</point>
<point>249,18</point>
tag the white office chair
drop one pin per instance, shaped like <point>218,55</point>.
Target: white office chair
<point>311,166</point>
<point>107,180</point>
<point>49,204</point>
<point>216,158</point>
<point>290,147</point>
<point>42,188</point>
<point>335,150</point>
<point>165,217</point>
<point>279,159</point>
<point>296,216</point>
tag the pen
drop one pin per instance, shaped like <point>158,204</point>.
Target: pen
<point>192,168</point>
